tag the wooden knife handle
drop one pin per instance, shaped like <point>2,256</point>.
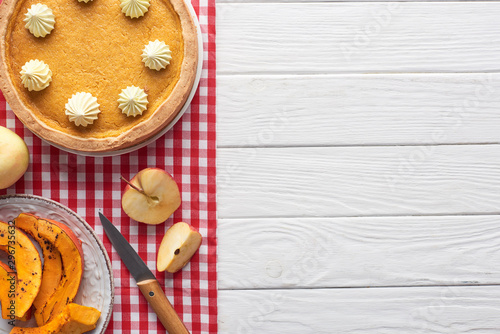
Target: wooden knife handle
<point>155,296</point>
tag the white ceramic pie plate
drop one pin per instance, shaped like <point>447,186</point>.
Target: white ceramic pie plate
<point>97,287</point>
<point>171,124</point>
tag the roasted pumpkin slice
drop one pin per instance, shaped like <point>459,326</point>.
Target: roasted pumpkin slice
<point>51,274</point>
<point>74,319</point>
<point>28,266</point>
<point>69,247</point>
<point>52,267</point>
<point>7,290</point>
<point>8,282</point>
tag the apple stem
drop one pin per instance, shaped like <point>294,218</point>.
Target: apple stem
<point>133,186</point>
<point>151,199</point>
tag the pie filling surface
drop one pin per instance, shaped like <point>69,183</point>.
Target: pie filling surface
<point>95,48</point>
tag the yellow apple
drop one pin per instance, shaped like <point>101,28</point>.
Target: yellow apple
<point>151,196</point>
<point>178,247</point>
<point>14,157</point>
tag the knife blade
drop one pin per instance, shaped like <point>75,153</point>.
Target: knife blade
<point>146,281</point>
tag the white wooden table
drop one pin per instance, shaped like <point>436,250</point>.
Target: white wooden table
<point>358,167</point>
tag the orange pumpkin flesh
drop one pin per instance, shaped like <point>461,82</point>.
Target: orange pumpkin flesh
<point>52,266</point>
<point>28,266</point>
<point>74,319</point>
<point>51,275</point>
<point>71,253</point>
<point>8,282</point>
<point>7,279</point>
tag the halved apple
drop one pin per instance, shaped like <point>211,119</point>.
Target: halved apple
<point>178,246</point>
<point>28,266</point>
<point>151,196</point>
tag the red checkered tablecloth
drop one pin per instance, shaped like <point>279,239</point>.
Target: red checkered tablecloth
<point>88,185</point>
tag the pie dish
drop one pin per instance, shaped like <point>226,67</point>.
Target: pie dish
<point>95,48</point>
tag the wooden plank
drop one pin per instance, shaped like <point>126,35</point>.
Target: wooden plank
<point>358,37</point>
<point>358,252</point>
<point>367,311</point>
<point>388,109</point>
<point>358,181</point>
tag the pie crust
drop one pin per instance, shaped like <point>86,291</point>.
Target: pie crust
<point>107,73</point>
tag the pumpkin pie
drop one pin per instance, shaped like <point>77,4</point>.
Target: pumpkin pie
<point>97,51</point>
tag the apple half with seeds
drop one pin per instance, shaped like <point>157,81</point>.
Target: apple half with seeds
<point>178,247</point>
<point>151,196</point>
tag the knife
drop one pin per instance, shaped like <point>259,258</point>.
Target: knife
<point>146,281</point>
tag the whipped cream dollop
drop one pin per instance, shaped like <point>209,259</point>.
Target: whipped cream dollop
<point>132,101</point>
<point>82,109</point>
<point>134,8</point>
<point>36,75</point>
<point>39,20</point>
<point>156,55</point>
